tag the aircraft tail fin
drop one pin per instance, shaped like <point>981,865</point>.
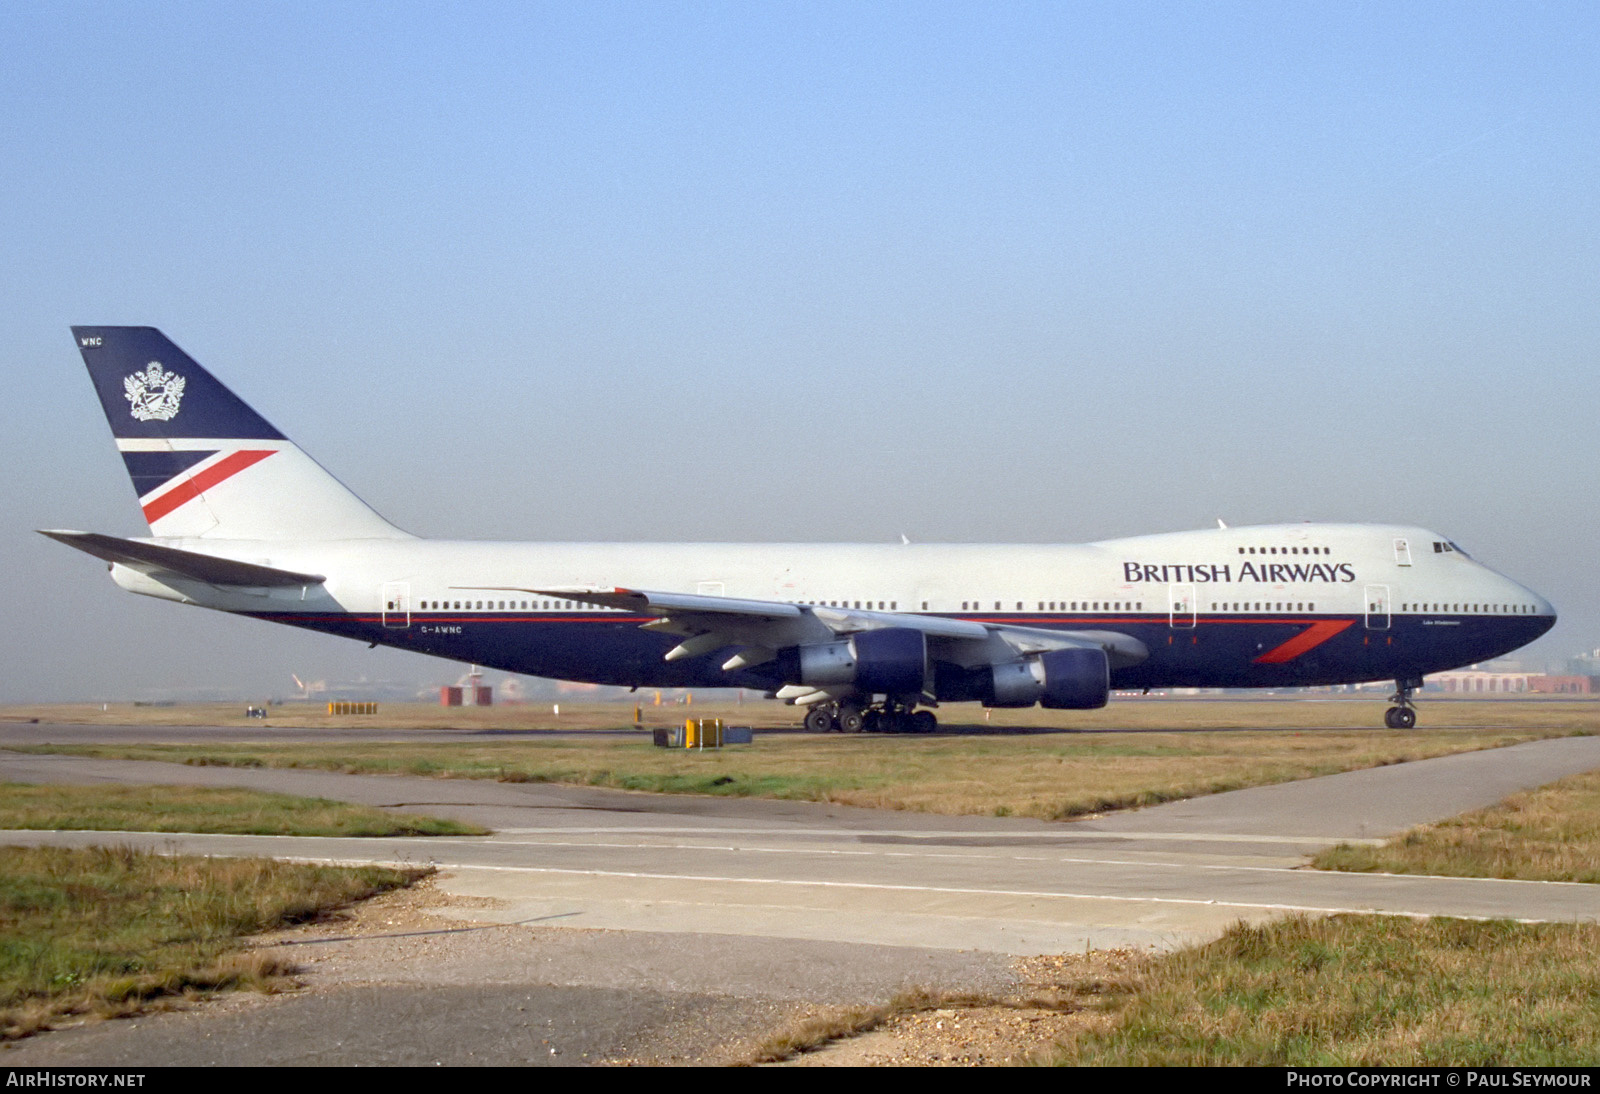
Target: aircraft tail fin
<point>202,461</point>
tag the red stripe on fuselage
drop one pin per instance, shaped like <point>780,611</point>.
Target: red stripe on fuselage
<point>1308,639</point>
<point>192,488</point>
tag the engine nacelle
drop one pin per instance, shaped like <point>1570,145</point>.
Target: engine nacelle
<point>893,661</point>
<point>1076,679</point>
<point>1016,684</point>
<point>1071,679</point>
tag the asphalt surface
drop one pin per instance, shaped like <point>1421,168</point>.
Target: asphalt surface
<point>644,920</point>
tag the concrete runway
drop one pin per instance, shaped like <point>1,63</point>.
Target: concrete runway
<point>905,895</point>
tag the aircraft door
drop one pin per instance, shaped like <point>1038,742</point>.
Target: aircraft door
<point>1181,601</point>
<point>1378,607</point>
<point>395,600</point>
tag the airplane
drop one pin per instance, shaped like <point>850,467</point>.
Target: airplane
<point>862,636</point>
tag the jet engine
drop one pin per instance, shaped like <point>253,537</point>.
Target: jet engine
<point>893,661</point>
<point>1070,679</point>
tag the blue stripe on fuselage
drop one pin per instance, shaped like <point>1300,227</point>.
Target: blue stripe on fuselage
<point>1219,651</point>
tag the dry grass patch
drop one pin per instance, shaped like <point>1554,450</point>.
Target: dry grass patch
<point>1124,712</point>
<point>833,1024</point>
<point>1362,991</point>
<point>115,808</point>
<point>1057,997</point>
<point>111,931</point>
<point>1548,834</point>
<point>1050,776</point>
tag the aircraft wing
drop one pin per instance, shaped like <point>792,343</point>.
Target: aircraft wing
<point>762,627</point>
<point>152,558</point>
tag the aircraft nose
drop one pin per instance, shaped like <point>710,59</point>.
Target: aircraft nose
<point>1542,608</point>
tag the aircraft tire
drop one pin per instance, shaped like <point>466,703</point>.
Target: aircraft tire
<point>924,721</point>
<point>1400,718</point>
<point>818,720</point>
<point>851,721</point>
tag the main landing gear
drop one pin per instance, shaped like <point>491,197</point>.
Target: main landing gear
<point>1402,715</point>
<point>886,717</point>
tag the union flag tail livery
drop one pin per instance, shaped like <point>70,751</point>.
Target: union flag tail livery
<point>861,636</point>
<point>204,464</point>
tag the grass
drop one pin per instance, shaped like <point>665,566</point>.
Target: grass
<point>1548,834</point>
<point>1344,991</point>
<point>1360,991</point>
<point>104,808</point>
<point>1308,711</point>
<point>111,932</point>
<point>1050,776</point>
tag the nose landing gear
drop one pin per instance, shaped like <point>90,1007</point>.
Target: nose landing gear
<point>1402,715</point>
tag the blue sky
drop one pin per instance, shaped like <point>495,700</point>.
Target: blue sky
<point>1026,272</point>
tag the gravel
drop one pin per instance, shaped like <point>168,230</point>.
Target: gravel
<point>408,979</point>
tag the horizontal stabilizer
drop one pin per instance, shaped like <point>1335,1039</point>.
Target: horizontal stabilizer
<point>151,558</point>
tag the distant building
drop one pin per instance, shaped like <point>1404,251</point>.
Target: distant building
<point>1564,685</point>
<point>1584,664</point>
<point>1478,682</point>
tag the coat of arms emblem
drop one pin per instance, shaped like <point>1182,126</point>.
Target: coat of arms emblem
<point>154,393</point>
